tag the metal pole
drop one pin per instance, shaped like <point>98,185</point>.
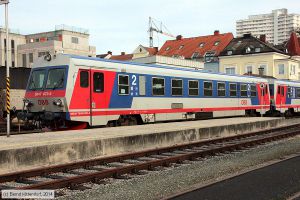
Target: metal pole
<point>7,72</point>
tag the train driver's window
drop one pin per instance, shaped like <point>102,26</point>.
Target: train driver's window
<point>208,88</point>
<point>84,79</point>
<point>98,82</point>
<point>123,83</point>
<point>232,89</point>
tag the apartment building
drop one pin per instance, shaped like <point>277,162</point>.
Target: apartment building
<point>25,49</point>
<point>277,25</point>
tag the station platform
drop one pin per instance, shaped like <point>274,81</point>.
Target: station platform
<point>20,152</point>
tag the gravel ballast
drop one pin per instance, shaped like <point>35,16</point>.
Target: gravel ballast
<point>160,184</point>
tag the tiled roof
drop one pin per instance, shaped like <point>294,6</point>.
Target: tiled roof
<point>248,45</point>
<point>186,47</point>
<point>122,57</point>
<point>152,50</point>
<point>293,45</point>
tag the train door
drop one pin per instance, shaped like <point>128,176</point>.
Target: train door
<point>98,99</point>
<point>82,95</point>
<point>280,97</point>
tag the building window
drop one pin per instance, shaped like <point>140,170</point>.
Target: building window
<point>175,56</point>
<point>253,90</point>
<point>230,70</point>
<point>177,87</point>
<point>257,49</point>
<point>158,86</point>
<point>193,88</point>
<point>232,89</point>
<point>24,60</point>
<point>216,43</point>
<point>98,82</point>
<point>229,52</point>
<point>75,40</point>
<point>84,79</point>
<point>13,63</point>
<point>281,69</point>
<point>181,46</point>
<point>221,90</point>
<point>123,83</point>
<point>208,88</point>
<point>293,69</point>
<point>249,69</point>
<point>201,44</point>
<point>195,55</point>
<point>264,67</point>
<point>209,56</point>
<point>244,90</point>
<point>37,40</point>
<point>30,57</point>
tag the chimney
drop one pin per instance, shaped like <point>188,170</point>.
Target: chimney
<point>263,38</point>
<point>122,53</point>
<point>109,52</point>
<point>216,32</point>
<point>178,37</point>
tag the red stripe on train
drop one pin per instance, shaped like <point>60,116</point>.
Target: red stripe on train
<point>154,111</point>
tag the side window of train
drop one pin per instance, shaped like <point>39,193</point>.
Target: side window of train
<point>84,79</point>
<point>253,90</point>
<point>298,93</point>
<point>289,92</point>
<point>208,88</point>
<point>232,90</point>
<point>177,87</point>
<point>123,84</point>
<point>221,90</point>
<point>158,86</point>
<point>193,88</point>
<point>244,90</point>
<point>98,82</point>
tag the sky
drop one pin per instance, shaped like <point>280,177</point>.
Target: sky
<point>120,26</point>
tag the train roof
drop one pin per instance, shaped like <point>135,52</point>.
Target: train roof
<point>151,67</point>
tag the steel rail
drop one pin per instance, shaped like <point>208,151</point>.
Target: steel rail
<point>227,144</point>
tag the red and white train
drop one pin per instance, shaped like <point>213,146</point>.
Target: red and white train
<point>66,90</point>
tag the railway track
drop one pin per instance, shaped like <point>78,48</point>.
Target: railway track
<point>74,175</point>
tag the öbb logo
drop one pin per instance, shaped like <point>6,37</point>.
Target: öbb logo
<point>43,102</point>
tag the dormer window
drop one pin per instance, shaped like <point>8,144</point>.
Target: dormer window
<point>195,55</point>
<point>216,43</point>
<point>229,52</point>
<point>168,48</point>
<point>181,46</point>
<point>257,49</point>
<point>201,44</point>
<point>248,50</point>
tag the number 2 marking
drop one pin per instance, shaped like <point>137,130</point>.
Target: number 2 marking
<point>133,80</point>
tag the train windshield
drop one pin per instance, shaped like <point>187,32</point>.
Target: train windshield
<point>37,79</point>
<point>55,79</point>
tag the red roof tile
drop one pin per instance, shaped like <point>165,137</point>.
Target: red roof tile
<point>152,50</point>
<point>293,45</point>
<point>121,57</point>
<point>191,45</point>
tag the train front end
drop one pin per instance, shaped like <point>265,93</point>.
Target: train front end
<point>45,103</point>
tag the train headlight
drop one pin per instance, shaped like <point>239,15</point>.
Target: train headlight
<point>58,102</point>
